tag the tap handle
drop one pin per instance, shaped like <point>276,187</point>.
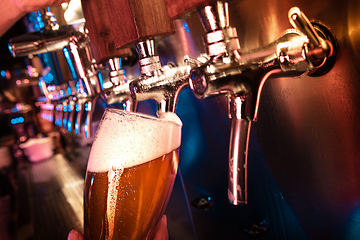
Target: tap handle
<point>299,21</point>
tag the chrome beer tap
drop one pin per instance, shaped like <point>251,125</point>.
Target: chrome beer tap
<point>51,37</point>
<point>88,85</point>
<point>241,76</point>
<point>163,84</point>
<point>118,91</point>
<point>77,51</point>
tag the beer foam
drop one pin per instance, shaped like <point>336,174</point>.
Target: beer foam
<point>118,141</point>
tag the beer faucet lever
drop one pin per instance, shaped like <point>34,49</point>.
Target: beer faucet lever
<point>317,48</point>
<point>162,84</point>
<point>225,69</point>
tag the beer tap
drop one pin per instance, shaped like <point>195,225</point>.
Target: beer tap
<point>88,85</point>
<point>162,84</point>
<point>51,37</point>
<point>306,49</point>
<point>118,92</point>
<point>77,51</point>
<point>141,22</point>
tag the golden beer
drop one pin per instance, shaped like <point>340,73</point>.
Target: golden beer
<point>131,171</point>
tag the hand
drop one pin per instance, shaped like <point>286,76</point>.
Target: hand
<point>27,6</point>
<point>161,232</point>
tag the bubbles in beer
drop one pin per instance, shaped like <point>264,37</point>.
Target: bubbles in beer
<point>125,151</point>
<point>116,169</point>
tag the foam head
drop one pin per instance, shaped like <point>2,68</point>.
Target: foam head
<point>126,139</point>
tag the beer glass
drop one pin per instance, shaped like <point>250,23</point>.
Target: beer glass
<point>130,174</point>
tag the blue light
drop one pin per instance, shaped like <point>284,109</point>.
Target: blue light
<point>10,49</point>
<point>70,63</point>
<point>48,78</point>
<point>86,128</point>
<point>17,120</point>
<point>3,73</point>
<point>186,26</point>
<point>101,80</point>
<point>76,128</point>
<point>50,65</point>
<point>92,181</point>
<point>50,88</point>
<point>69,91</point>
<point>124,106</point>
<point>77,107</point>
<point>40,86</point>
<point>64,122</point>
<point>69,126</point>
<point>78,86</point>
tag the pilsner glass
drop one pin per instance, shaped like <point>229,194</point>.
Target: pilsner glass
<point>130,174</point>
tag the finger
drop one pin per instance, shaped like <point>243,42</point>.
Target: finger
<point>75,235</point>
<point>161,231</point>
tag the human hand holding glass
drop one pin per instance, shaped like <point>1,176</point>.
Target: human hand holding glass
<point>130,175</point>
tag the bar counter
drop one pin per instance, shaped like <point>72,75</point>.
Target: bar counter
<point>50,196</point>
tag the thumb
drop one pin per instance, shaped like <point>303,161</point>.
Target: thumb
<point>75,235</point>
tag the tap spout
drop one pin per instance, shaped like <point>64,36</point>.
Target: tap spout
<point>238,153</point>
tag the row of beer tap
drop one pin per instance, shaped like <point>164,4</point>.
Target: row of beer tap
<point>305,49</point>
